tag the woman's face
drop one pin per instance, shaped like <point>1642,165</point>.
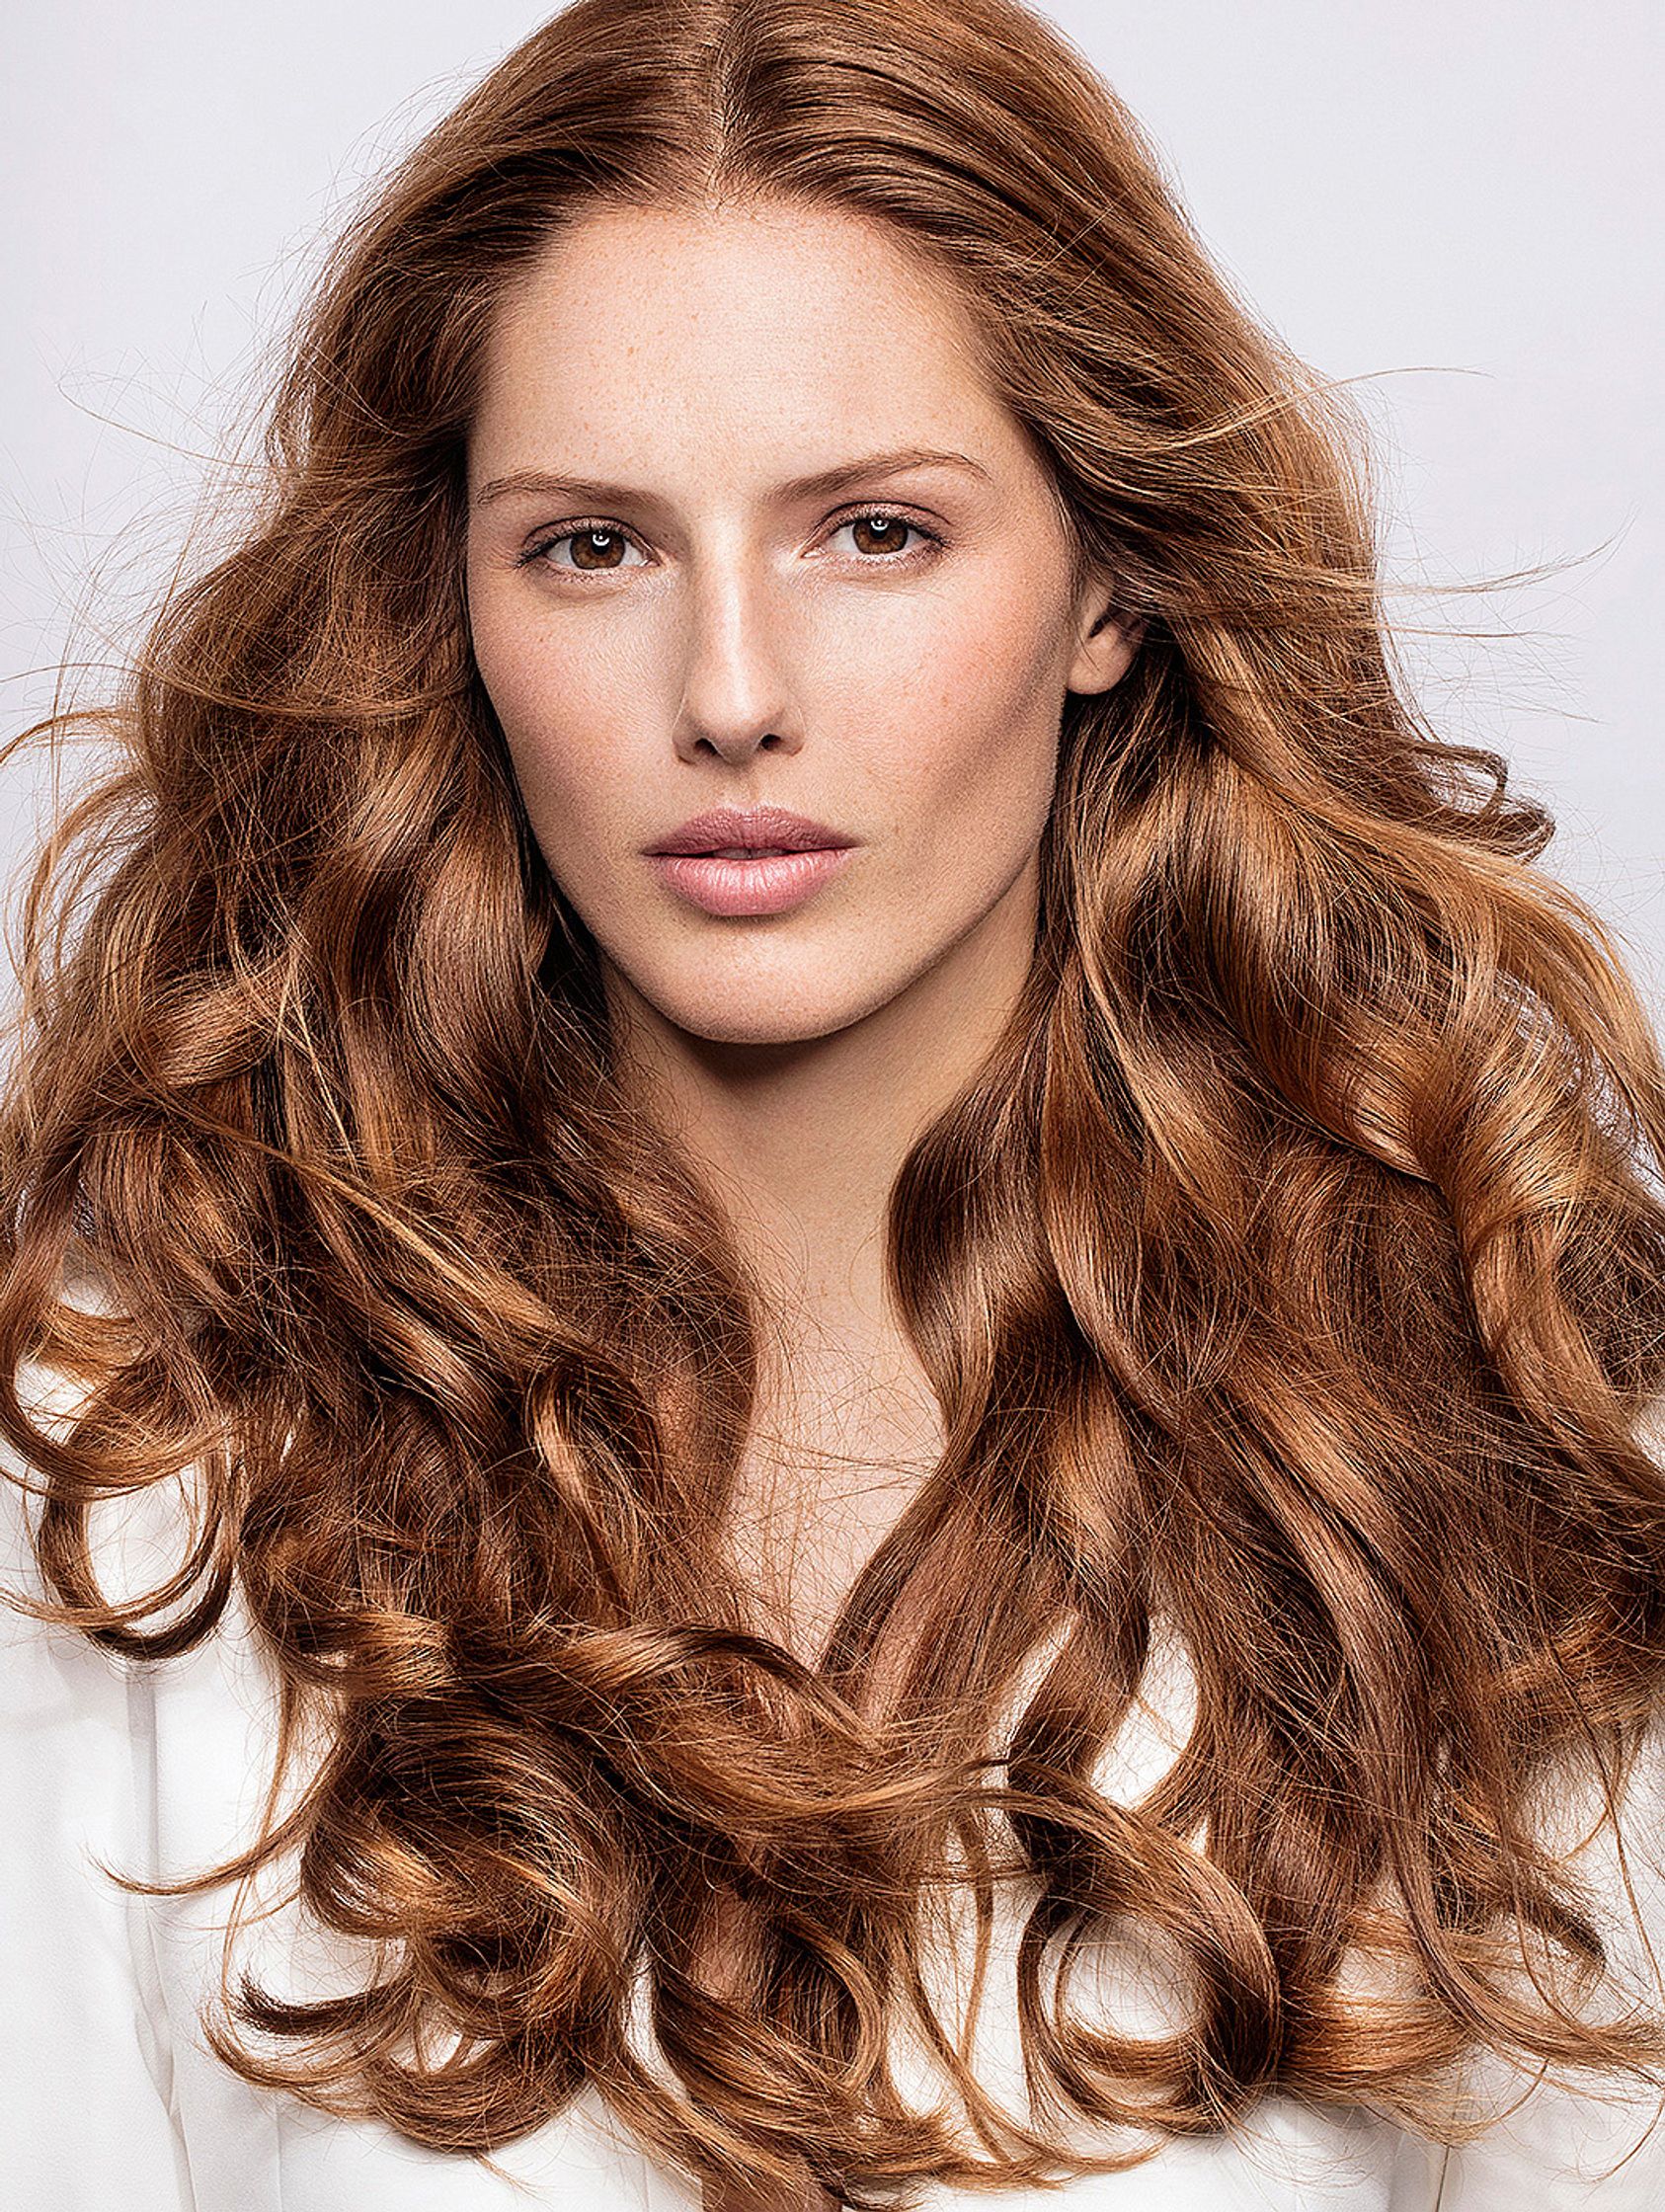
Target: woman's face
<point>703,574</point>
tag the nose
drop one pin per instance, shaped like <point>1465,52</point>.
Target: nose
<point>737,687</point>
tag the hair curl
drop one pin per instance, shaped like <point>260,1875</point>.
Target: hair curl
<point>1293,1273</point>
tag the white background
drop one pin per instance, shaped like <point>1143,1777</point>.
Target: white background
<point>1459,200</point>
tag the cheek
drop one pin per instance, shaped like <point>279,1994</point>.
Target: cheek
<point>976,750</point>
<point>549,702</point>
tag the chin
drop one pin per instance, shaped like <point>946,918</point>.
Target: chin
<point>758,1012</point>
<point>761,1023</point>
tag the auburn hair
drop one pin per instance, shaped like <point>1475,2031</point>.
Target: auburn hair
<point>1291,1275</point>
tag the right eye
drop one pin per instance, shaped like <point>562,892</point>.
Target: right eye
<point>599,549</point>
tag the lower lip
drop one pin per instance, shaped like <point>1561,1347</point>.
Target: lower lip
<point>749,886</point>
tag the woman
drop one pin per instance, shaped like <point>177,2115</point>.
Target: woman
<point>834,1303</point>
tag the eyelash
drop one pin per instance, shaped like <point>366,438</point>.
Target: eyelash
<point>535,553</point>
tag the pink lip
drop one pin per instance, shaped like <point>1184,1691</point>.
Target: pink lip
<point>805,855</point>
<point>750,826</point>
<point>749,886</point>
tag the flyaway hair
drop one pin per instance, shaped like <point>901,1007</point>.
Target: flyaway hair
<point>1292,1277</point>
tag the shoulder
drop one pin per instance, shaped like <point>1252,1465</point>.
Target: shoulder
<point>135,1539</point>
<point>70,1703</point>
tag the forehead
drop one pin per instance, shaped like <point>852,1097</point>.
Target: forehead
<point>760,326</point>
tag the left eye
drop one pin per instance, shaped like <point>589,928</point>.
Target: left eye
<point>880,532</point>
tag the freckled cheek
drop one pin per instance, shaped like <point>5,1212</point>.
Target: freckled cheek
<point>975,756</point>
<point>562,732</point>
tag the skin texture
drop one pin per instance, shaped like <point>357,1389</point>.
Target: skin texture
<point>737,644</point>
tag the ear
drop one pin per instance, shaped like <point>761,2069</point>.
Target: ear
<point>1106,641</point>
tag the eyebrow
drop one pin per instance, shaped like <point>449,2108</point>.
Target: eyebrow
<point>822,484</point>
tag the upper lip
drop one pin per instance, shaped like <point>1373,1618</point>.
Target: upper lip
<point>768,828</point>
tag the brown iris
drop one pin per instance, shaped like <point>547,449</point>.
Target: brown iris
<point>890,529</point>
<point>586,542</point>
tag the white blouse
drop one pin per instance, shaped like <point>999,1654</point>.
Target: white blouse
<point>109,2099</point>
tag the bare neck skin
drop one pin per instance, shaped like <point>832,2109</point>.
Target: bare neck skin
<point>802,1142</point>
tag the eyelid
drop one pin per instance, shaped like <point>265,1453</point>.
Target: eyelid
<point>544,540</point>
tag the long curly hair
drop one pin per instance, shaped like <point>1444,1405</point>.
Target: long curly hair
<point>1291,1275</point>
